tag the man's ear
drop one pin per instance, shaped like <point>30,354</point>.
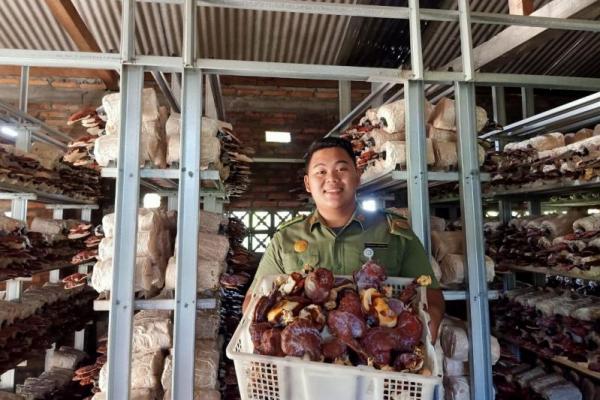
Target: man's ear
<point>306,185</point>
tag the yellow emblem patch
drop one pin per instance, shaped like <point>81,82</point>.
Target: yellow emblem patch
<point>300,246</point>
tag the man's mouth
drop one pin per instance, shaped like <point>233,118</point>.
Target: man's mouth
<point>332,191</point>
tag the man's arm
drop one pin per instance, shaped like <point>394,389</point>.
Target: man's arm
<point>415,262</point>
<point>437,307</point>
<point>270,264</point>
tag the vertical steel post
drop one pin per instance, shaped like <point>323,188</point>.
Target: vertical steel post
<point>527,102</point>
<point>416,161</point>
<point>505,210</point>
<point>188,214</point>
<point>499,104</point>
<point>172,203</point>
<point>470,191</point>
<point>377,100</point>
<point>344,98</point>
<point>18,206</point>
<point>416,57</point>
<point>466,39</point>
<point>126,212</point>
<point>534,207</point>
<point>24,138</point>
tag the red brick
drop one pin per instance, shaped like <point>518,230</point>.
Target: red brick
<point>279,93</point>
<point>298,92</point>
<point>93,86</point>
<point>291,204</point>
<point>228,91</point>
<point>248,92</point>
<point>8,80</point>
<point>38,106</point>
<point>240,204</point>
<point>279,196</point>
<point>265,189</point>
<point>272,121</point>
<point>263,203</point>
<point>326,95</point>
<point>65,84</point>
<point>38,82</point>
<point>57,114</point>
<point>281,180</point>
<point>56,122</point>
<point>69,107</point>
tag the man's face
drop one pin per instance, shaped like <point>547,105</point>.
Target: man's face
<point>332,179</point>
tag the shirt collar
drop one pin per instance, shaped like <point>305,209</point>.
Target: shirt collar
<point>359,217</point>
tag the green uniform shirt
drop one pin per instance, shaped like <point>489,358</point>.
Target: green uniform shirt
<point>307,241</point>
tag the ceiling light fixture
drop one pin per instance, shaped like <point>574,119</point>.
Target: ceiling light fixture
<point>278,137</point>
<point>9,131</point>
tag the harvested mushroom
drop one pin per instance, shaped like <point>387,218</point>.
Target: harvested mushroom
<point>318,284</point>
<point>283,312</point>
<point>314,313</point>
<point>370,275</point>
<point>300,338</point>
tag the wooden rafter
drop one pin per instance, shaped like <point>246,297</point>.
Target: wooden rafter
<point>67,16</point>
<point>520,7</point>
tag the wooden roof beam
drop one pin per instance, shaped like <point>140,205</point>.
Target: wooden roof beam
<point>520,7</point>
<point>67,16</point>
<point>515,36</point>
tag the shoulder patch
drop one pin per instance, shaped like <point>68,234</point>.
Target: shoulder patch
<point>397,212</point>
<point>292,221</point>
<point>398,225</point>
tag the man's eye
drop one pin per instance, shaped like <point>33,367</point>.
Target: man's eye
<point>320,172</point>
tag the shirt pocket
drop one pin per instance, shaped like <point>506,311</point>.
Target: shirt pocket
<point>383,254</point>
<point>293,261</point>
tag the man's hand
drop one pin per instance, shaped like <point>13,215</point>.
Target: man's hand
<point>436,309</point>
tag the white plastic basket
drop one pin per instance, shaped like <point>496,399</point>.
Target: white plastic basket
<point>290,378</point>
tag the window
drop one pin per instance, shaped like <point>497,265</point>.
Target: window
<point>261,226</point>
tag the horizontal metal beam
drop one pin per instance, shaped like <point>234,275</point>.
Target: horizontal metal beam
<point>390,12</point>
<point>539,81</point>
<point>60,59</point>
<point>298,71</point>
<point>156,304</point>
<point>72,59</point>
<point>167,173</point>
<point>17,196</point>
<point>563,112</point>
<point>72,206</point>
<point>453,295</point>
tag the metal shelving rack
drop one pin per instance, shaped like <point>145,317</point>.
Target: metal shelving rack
<point>132,67</point>
<point>29,128</point>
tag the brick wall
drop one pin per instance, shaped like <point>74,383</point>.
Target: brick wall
<point>305,108</point>
<point>53,100</point>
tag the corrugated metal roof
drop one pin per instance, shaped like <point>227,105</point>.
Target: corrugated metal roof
<point>29,24</point>
<point>294,37</point>
<point>223,33</point>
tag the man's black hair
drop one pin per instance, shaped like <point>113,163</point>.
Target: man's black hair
<point>327,143</point>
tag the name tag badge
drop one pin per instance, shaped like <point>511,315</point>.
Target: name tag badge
<point>368,253</point>
<point>375,245</point>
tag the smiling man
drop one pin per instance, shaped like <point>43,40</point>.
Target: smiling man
<point>340,237</point>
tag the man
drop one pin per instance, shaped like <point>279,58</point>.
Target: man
<point>340,237</point>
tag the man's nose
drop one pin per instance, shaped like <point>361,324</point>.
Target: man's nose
<point>333,176</point>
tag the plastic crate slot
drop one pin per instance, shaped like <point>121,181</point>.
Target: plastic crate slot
<point>263,382</point>
<point>401,390</point>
